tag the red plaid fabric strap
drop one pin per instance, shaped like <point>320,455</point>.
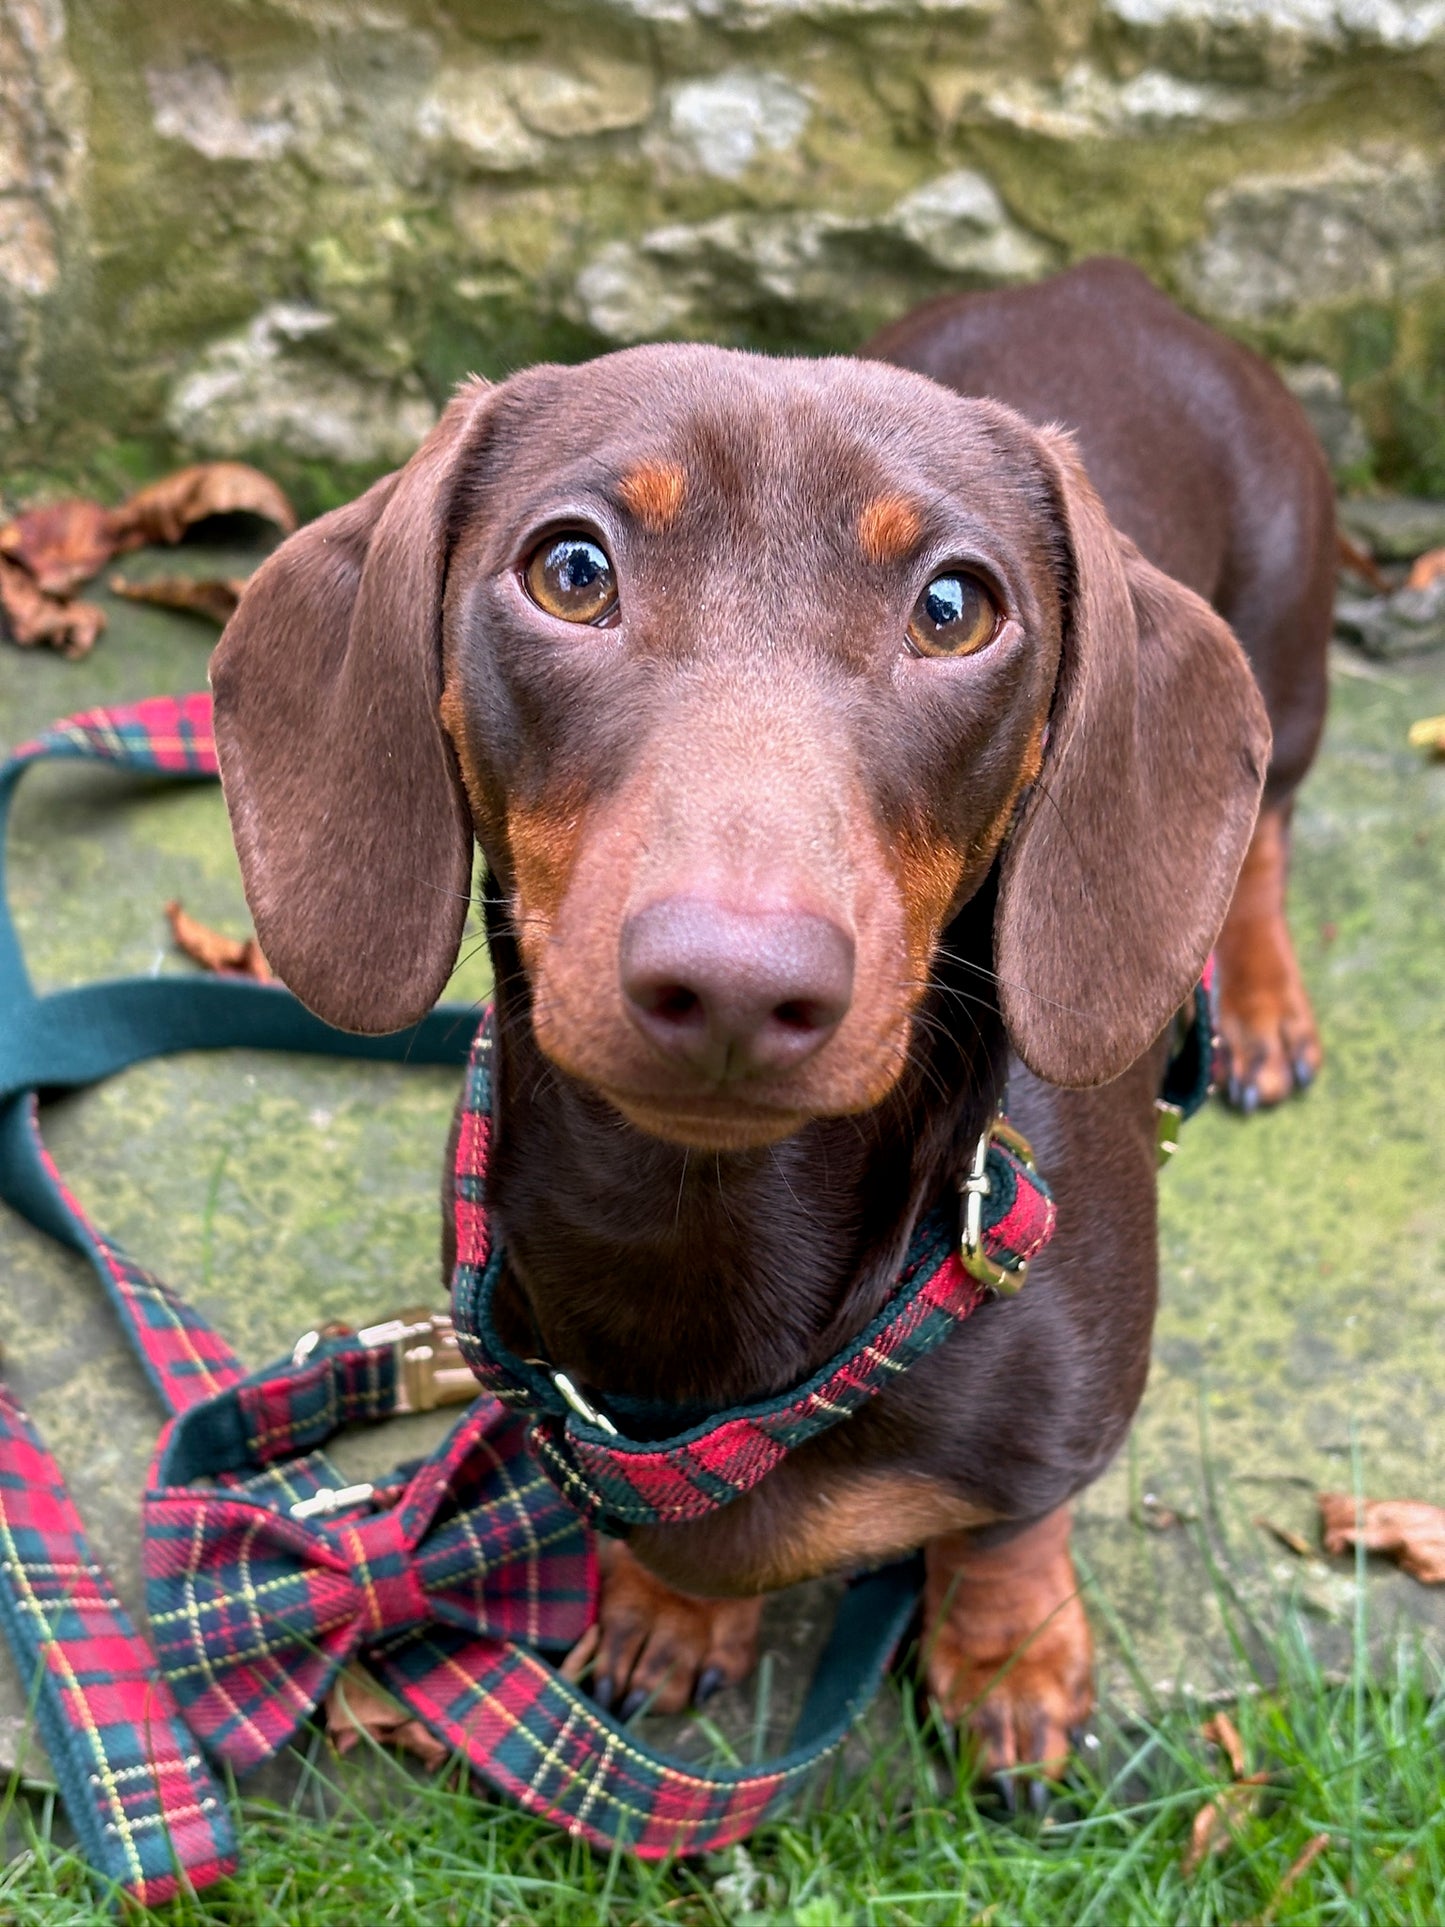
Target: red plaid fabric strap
<point>150,1813</point>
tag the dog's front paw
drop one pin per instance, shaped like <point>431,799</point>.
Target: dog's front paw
<point>1009,1655</point>
<point>651,1646</point>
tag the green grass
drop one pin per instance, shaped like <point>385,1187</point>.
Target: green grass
<point>903,1840</point>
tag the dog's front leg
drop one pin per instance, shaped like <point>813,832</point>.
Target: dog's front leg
<point>1007,1643</point>
<point>653,1646</point>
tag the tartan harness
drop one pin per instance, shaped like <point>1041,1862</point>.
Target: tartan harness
<point>453,1578</point>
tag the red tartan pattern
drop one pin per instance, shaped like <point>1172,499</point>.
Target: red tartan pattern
<point>557,1755</point>
<point>254,1613</point>
<point>149,1808</point>
<point>169,734</point>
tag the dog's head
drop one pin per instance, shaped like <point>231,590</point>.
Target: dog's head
<point>743,673</point>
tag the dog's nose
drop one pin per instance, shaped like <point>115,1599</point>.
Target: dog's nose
<point>734,993</point>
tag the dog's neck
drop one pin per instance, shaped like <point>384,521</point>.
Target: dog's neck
<point>681,1276</point>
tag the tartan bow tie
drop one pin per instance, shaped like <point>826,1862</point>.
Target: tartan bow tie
<point>259,1592</point>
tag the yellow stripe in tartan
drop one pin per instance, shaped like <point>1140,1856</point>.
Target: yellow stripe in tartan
<point>221,1602</point>
<point>143,1285</point>
<point>359,1556</point>
<point>326,1416</point>
<point>881,1358</point>
<point>517,1497</point>
<point>198,1644</point>
<point>102,1779</point>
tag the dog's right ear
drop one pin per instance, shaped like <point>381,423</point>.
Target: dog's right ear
<point>348,817</point>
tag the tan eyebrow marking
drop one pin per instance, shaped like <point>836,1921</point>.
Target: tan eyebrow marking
<point>654,492</point>
<point>888,528</point>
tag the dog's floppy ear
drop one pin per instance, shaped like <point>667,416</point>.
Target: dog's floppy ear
<point>1121,868</point>
<point>354,839</point>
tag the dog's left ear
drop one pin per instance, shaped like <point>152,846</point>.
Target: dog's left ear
<point>1122,866</point>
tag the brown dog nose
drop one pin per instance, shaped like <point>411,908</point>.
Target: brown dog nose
<point>734,993</point>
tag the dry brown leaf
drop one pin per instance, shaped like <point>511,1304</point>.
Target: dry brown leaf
<point>1429,733</point>
<point>212,950</point>
<point>1357,558</point>
<point>1296,1541</point>
<point>1225,1735</point>
<point>167,508</point>
<point>1409,1531</point>
<point>1426,569</point>
<point>32,616</point>
<point>1218,1820</point>
<point>357,1708</point>
<point>60,545</point>
<point>212,596</point>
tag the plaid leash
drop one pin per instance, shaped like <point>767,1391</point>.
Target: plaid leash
<point>265,1573</point>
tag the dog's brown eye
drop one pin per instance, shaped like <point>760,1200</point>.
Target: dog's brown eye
<point>571,577</point>
<point>954,616</point>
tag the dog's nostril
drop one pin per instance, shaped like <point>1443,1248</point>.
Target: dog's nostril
<point>799,1015</point>
<point>674,1003</point>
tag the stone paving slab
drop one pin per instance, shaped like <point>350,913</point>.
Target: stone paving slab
<point>1304,1253</point>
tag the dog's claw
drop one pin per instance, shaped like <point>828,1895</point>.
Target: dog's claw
<point>1304,1073</point>
<point>709,1680</point>
<point>604,1692</point>
<point>1001,1786</point>
<point>634,1703</point>
<point>1040,1797</point>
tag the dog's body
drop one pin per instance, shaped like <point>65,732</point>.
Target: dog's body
<point>783,871</point>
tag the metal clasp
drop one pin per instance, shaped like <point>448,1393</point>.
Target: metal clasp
<point>1168,1118</point>
<point>430,1369</point>
<point>975,1188</point>
<point>583,1407</point>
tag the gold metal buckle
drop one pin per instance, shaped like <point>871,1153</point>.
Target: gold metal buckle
<point>976,1187</point>
<point>430,1369</point>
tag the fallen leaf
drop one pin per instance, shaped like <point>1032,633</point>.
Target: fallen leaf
<point>62,544</point>
<point>32,616</point>
<point>1429,733</point>
<point>1218,1821</point>
<point>1426,569</point>
<point>1295,1541</point>
<point>1410,1531</point>
<point>1357,558</point>
<point>213,596</point>
<point>1223,1732</point>
<point>214,951</point>
<point>358,1707</point>
<point>167,508</point>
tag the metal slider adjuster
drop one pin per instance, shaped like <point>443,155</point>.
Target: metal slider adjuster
<point>430,1369</point>
<point>975,1188</point>
<point>1168,1118</point>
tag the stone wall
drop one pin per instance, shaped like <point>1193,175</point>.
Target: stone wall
<point>284,227</point>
